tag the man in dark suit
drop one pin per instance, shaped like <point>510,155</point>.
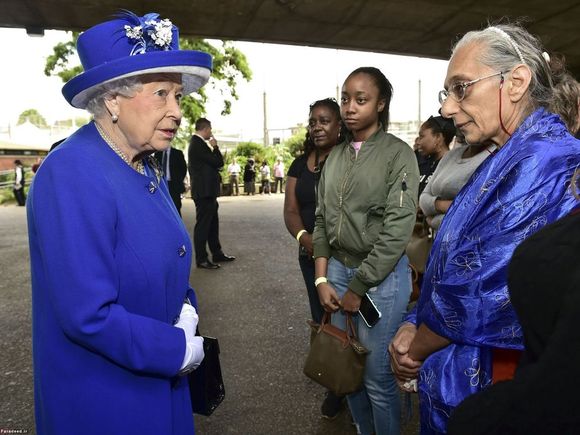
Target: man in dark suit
<point>174,169</point>
<point>205,162</point>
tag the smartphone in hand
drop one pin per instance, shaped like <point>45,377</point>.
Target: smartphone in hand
<point>369,311</point>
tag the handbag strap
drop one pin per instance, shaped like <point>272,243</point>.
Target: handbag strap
<point>325,318</point>
<point>350,329</point>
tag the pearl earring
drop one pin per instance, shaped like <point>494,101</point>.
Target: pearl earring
<point>114,118</point>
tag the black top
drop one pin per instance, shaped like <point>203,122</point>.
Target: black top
<point>249,173</point>
<point>305,181</point>
<point>544,396</point>
<point>421,159</point>
<point>427,167</point>
<point>177,169</point>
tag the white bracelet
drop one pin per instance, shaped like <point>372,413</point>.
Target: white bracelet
<point>299,234</point>
<point>320,280</point>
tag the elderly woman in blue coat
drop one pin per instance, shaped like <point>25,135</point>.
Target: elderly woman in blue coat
<point>113,332</point>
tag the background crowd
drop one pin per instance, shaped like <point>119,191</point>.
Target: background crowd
<point>493,182</point>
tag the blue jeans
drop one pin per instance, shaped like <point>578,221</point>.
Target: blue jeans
<point>377,407</point>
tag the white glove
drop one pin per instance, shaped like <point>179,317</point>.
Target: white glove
<point>188,319</point>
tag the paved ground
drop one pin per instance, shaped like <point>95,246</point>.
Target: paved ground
<point>256,306</point>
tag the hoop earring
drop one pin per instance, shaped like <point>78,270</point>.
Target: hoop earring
<point>114,118</point>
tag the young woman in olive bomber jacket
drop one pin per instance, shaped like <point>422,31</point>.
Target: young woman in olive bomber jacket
<point>364,220</point>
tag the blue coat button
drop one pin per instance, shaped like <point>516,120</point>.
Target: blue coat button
<point>181,251</point>
<point>152,187</point>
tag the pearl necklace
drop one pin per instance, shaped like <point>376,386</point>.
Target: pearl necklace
<point>138,165</point>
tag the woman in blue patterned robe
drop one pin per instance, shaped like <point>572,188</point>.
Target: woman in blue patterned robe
<point>497,88</point>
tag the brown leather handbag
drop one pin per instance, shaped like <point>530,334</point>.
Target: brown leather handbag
<point>336,359</point>
<point>420,245</point>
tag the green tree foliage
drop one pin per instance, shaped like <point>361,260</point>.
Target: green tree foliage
<point>70,123</point>
<point>280,151</point>
<point>229,67</point>
<point>242,153</point>
<point>259,153</point>
<point>57,64</point>
<point>33,116</point>
<point>295,143</point>
<point>248,149</point>
<point>81,121</point>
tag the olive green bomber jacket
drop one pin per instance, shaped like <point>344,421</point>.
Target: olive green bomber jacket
<point>367,207</point>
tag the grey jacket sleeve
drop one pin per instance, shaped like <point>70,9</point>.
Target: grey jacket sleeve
<point>427,198</point>
<point>436,221</point>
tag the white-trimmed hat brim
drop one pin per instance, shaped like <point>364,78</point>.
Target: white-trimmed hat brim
<point>194,66</point>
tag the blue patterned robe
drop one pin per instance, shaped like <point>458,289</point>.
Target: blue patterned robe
<point>514,193</point>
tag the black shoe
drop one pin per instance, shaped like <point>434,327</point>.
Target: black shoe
<point>331,406</point>
<point>208,265</point>
<point>223,257</point>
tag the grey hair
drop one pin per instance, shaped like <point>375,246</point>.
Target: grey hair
<point>508,45</point>
<point>127,87</point>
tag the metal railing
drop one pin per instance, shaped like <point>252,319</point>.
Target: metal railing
<point>7,178</point>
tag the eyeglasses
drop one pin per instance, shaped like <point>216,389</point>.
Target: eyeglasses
<point>457,91</point>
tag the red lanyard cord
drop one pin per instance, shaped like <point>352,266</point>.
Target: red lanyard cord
<point>500,120</point>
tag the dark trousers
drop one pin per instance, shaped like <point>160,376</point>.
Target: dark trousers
<point>20,196</point>
<point>234,180</point>
<point>176,197</point>
<point>279,181</point>
<point>307,268</point>
<point>206,231</point>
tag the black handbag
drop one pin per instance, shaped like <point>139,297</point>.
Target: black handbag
<point>206,385</point>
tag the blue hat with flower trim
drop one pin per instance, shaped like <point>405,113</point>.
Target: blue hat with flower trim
<point>129,46</point>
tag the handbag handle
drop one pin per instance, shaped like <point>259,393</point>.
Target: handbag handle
<point>350,331</point>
